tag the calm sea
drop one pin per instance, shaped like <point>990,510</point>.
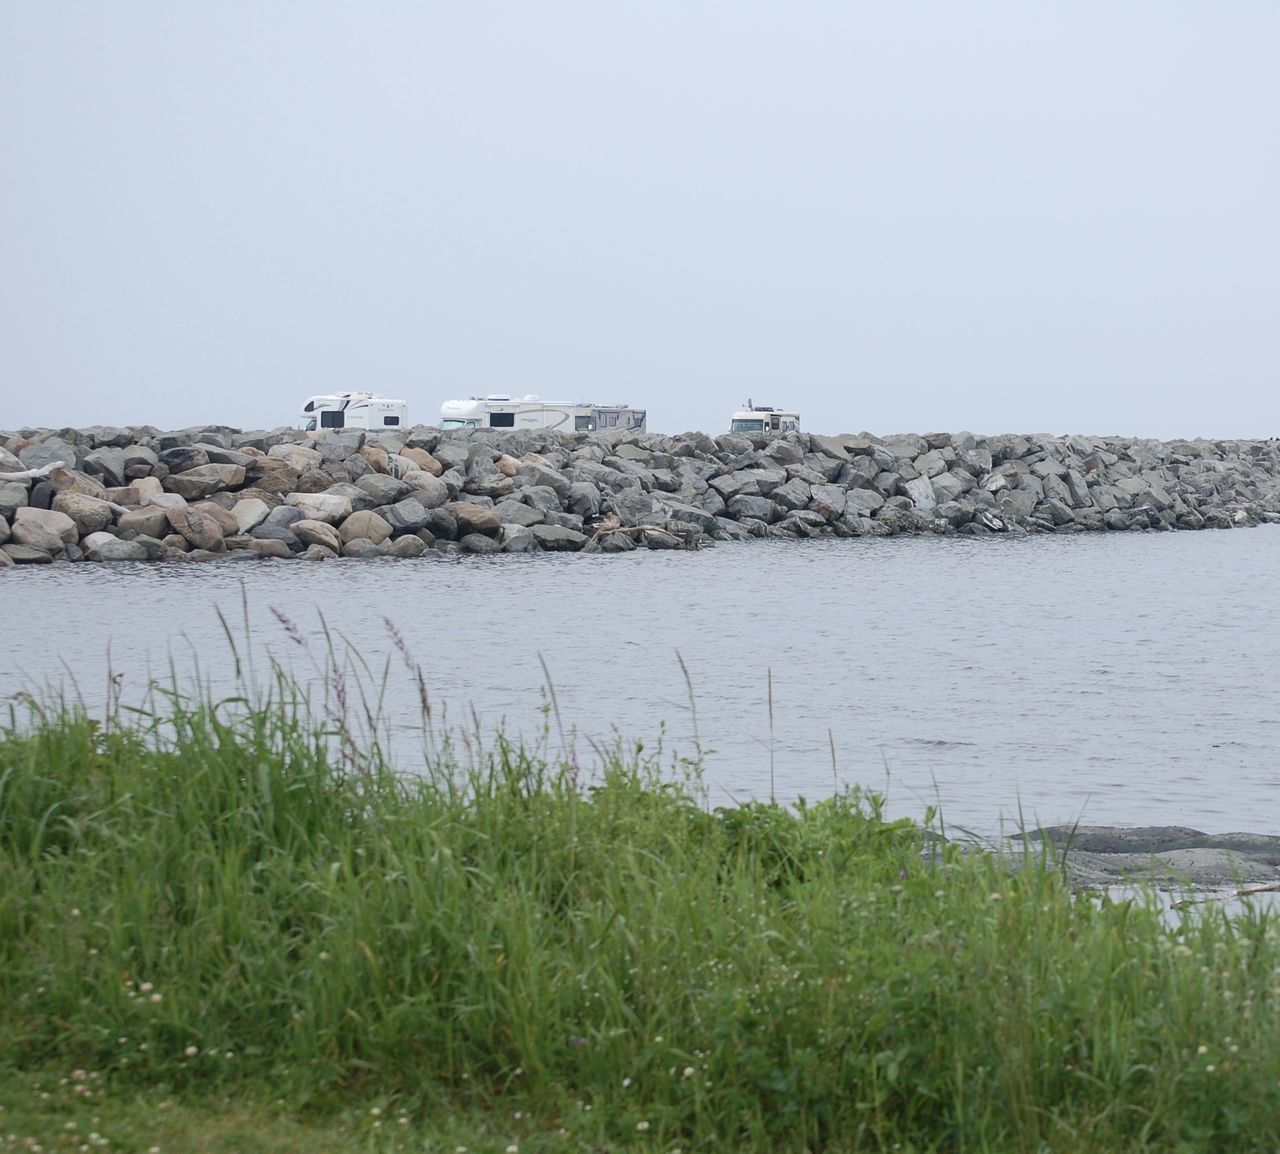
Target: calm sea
<point>1108,678</point>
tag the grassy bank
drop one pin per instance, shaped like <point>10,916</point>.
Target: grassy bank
<point>240,913</point>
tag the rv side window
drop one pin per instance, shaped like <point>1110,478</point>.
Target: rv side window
<point>502,420</point>
<point>331,419</point>
<point>582,424</point>
<point>390,420</point>
<point>773,421</point>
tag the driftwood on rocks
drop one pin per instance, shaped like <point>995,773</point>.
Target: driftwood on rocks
<point>29,474</point>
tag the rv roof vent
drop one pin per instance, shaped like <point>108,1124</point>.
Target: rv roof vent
<point>498,397</point>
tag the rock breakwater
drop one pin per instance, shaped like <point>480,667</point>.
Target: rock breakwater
<point>140,494</point>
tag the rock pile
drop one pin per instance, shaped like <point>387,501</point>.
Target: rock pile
<point>139,494</point>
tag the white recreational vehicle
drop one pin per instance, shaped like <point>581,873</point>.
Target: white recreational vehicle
<point>762,419</point>
<point>499,411</point>
<point>353,411</point>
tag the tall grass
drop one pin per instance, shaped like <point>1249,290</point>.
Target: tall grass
<point>244,897</point>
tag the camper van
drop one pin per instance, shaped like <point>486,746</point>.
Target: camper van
<point>500,411</point>
<point>762,419</point>
<point>353,411</point>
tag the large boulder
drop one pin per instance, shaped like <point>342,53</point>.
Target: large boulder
<point>198,528</point>
<point>364,524</point>
<point>19,554</point>
<point>384,490</point>
<point>321,506</point>
<point>181,458</point>
<point>249,512</point>
<point>150,521</point>
<point>116,550</point>
<point>407,516</point>
<point>204,480</point>
<point>317,533</point>
<point>44,528</point>
<point>13,496</point>
<point>554,538</point>
<point>473,518</point>
<point>88,513</point>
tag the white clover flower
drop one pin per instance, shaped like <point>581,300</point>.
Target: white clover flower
<point>191,1051</point>
<point>642,1125</point>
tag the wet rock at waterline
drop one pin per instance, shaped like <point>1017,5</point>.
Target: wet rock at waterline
<point>137,494</point>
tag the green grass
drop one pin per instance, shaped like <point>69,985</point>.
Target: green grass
<point>239,917</point>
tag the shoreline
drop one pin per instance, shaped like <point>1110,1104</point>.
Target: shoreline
<point>140,494</point>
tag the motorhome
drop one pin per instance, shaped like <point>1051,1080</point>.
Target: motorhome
<point>353,411</point>
<point>763,419</point>
<point>500,411</point>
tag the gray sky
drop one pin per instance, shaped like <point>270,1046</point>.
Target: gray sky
<point>898,216</point>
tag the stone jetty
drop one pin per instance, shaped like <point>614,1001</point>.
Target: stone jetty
<point>140,494</point>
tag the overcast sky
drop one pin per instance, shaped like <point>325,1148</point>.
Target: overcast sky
<point>898,216</point>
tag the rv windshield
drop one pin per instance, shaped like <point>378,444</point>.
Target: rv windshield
<point>453,424</point>
<point>746,427</point>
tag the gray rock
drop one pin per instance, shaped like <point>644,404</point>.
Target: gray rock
<point>110,464</point>
<point>13,496</point>
<point>920,491</point>
<point>479,543</point>
<point>360,547</point>
<point>746,507</point>
<point>117,550</point>
<point>407,516</point>
<point>204,480</point>
<point>516,538</point>
<point>554,538</point>
<point>382,489</point>
<point>49,452</point>
<point>515,512</point>
<point>20,554</point>
<point>180,458</point>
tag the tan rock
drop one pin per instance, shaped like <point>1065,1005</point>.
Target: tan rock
<point>250,512</point>
<point>89,513</point>
<point>508,466</point>
<point>128,495</point>
<point>367,524</point>
<point>27,520</point>
<point>317,533</point>
<point>477,519</point>
<point>175,541</point>
<point>423,460</point>
<point>149,488</point>
<point>296,456</point>
<point>378,458</point>
<point>226,519</point>
<point>150,522</point>
<point>268,547</point>
<point>74,481</point>
<point>200,530</point>
<point>328,507</point>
